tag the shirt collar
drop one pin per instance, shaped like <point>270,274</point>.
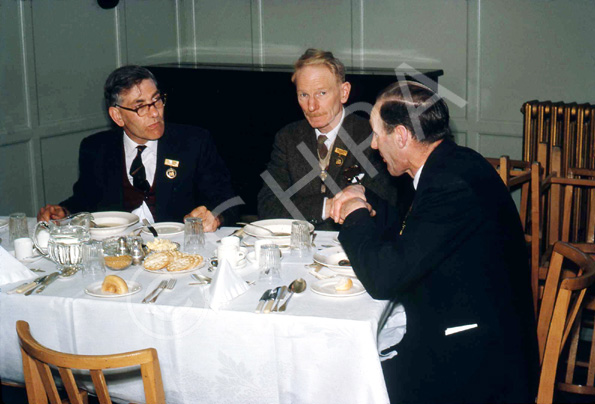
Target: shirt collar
<point>416,177</point>
<point>130,145</point>
<point>332,135</point>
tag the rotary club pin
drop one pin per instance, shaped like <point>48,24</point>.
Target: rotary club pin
<point>171,173</point>
<point>338,161</point>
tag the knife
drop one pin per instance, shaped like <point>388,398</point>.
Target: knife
<point>272,297</point>
<point>38,282</point>
<point>263,298</point>
<point>280,297</point>
<point>51,277</point>
<point>151,228</point>
<point>27,285</point>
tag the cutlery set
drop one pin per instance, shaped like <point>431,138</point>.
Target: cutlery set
<point>271,299</point>
<point>37,285</point>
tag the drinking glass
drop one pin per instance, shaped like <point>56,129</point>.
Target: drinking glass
<point>93,262</point>
<point>269,263</point>
<point>300,238</point>
<point>17,226</point>
<point>194,237</point>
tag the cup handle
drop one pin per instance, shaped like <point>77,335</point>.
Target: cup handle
<point>38,226</point>
<point>241,255</point>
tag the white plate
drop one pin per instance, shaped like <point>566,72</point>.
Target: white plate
<point>326,287</point>
<point>94,289</point>
<point>336,240</point>
<point>276,225</point>
<point>330,257</point>
<point>165,271</point>
<point>117,222</point>
<point>3,223</point>
<point>165,229</point>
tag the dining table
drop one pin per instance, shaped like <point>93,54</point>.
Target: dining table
<point>323,348</point>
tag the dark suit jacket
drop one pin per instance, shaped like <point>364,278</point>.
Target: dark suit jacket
<point>288,166</point>
<point>202,177</point>
<point>460,260</point>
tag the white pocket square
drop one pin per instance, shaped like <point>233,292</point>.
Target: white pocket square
<point>454,330</point>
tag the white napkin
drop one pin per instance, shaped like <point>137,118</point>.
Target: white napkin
<point>11,269</point>
<point>225,286</point>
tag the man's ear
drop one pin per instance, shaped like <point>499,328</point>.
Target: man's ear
<point>402,136</point>
<point>345,90</point>
<point>116,116</point>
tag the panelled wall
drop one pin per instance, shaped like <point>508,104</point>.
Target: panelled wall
<point>56,54</point>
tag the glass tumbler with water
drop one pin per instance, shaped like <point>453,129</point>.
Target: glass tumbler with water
<point>300,238</point>
<point>269,263</point>
<point>93,262</point>
<point>194,237</point>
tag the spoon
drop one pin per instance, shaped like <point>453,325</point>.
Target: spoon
<point>151,228</point>
<point>273,233</point>
<point>297,286</point>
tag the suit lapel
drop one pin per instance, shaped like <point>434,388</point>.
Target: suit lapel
<point>163,185</point>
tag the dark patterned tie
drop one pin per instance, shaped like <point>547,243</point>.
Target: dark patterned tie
<point>322,150</point>
<point>137,171</point>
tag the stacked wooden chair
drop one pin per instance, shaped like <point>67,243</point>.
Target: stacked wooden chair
<point>39,380</point>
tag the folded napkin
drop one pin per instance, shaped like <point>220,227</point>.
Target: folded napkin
<point>225,286</point>
<point>11,269</point>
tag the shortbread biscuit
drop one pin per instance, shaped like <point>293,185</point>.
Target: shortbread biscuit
<point>180,264</point>
<point>156,261</point>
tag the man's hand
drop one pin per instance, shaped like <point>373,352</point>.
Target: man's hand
<point>210,223</point>
<point>336,204</point>
<point>51,212</point>
<point>351,205</point>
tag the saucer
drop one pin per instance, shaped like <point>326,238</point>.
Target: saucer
<point>251,256</point>
<point>241,263</point>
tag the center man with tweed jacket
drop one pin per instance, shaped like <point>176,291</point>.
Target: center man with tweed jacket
<point>315,158</point>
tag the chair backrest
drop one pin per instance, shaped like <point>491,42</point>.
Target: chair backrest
<point>563,297</point>
<point>40,383</point>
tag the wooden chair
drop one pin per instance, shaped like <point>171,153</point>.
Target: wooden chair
<point>40,383</point>
<point>515,174</point>
<point>562,302</point>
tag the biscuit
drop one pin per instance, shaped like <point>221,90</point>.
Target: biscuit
<point>157,261</point>
<point>180,264</point>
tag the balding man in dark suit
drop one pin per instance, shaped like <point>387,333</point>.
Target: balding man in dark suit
<point>457,261</point>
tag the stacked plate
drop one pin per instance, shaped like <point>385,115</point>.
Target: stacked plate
<point>275,225</point>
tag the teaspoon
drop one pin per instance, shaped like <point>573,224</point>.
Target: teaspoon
<point>297,286</point>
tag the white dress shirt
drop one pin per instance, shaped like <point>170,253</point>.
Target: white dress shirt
<point>331,136</point>
<point>149,157</point>
<point>416,177</point>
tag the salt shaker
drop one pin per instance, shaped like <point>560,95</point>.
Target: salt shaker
<point>137,254</point>
<point>122,247</point>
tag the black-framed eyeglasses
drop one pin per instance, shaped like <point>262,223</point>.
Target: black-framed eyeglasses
<point>144,109</point>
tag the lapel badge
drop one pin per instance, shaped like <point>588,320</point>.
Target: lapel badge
<point>172,163</point>
<point>340,151</point>
<point>171,173</point>
<point>339,161</point>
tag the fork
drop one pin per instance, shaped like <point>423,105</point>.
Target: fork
<point>170,285</point>
<point>161,285</point>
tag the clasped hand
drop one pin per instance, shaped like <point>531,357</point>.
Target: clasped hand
<point>348,200</point>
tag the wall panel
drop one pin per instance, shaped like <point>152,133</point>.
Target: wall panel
<point>289,28</point>
<point>430,34</point>
<point>16,180</point>
<point>75,49</point>
<point>13,112</point>
<point>535,50</point>
<point>151,31</point>
<point>223,31</point>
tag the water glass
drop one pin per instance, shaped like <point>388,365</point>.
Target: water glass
<point>300,238</point>
<point>17,226</point>
<point>269,264</point>
<point>194,237</point>
<point>93,262</point>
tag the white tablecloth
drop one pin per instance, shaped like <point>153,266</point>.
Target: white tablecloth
<point>321,350</point>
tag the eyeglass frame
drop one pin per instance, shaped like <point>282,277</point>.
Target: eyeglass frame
<point>162,97</point>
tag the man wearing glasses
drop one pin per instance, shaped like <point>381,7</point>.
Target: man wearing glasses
<point>157,171</point>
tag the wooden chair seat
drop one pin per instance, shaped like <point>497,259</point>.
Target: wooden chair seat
<point>40,383</point>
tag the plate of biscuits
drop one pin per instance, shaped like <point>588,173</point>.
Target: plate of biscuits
<point>113,286</point>
<point>173,262</point>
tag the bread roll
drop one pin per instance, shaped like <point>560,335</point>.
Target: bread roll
<point>114,284</point>
<point>343,284</point>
